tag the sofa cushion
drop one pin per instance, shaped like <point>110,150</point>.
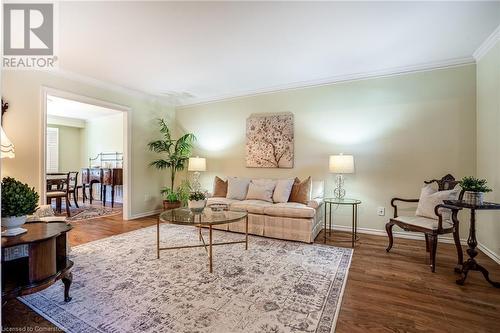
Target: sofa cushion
<point>283,189</point>
<point>237,188</point>
<point>261,191</point>
<point>220,187</point>
<point>423,222</point>
<point>301,191</point>
<point>252,206</point>
<point>220,201</point>
<point>290,209</point>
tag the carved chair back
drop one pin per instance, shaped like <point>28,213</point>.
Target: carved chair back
<point>73,179</point>
<point>448,182</point>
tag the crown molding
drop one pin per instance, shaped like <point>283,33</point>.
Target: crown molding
<point>113,87</point>
<point>333,80</point>
<point>487,45</point>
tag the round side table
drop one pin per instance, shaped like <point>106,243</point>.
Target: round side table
<point>344,201</point>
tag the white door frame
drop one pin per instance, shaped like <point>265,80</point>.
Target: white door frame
<point>45,91</point>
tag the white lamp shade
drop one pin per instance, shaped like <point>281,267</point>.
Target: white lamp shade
<point>342,163</point>
<point>197,164</point>
<point>7,146</point>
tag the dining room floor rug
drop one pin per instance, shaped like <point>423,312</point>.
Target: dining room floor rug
<point>274,286</point>
<point>88,212</point>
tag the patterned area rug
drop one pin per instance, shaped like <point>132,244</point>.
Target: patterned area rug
<point>88,212</point>
<point>276,286</point>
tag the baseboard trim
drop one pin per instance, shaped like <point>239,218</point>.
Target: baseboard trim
<point>145,214</point>
<point>489,253</point>
<point>417,236</point>
<point>399,234</point>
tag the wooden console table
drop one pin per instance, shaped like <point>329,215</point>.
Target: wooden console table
<point>36,259</point>
<point>104,176</point>
<point>471,263</point>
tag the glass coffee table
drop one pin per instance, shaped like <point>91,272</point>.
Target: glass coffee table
<point>205,219</point>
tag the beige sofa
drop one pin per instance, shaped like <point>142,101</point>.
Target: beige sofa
<point>289,220</point>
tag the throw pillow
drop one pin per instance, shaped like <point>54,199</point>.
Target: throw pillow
<point>220,188</point>
<point>237,188</point>
<point>282,190</point>
<point>301,191</point>
<point>261,190</point>
<point>430,198</point>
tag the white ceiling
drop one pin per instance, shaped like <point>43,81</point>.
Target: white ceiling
<point>66,108</point>
<point>211,50</point>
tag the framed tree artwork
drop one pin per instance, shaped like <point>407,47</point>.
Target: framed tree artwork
<point>270,140</point>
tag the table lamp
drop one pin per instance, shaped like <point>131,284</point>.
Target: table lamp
<point>197,164</point>
<point>341,164</point>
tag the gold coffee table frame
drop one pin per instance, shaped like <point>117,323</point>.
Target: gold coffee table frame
<point>205,219</point>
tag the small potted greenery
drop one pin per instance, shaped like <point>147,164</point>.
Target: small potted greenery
<point>197,201</point>
<point>18,201</point>
<point>175,198</point>
<point>474,190</point>
<point>170,198</point>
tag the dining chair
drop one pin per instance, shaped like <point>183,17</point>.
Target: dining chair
<point>61,191</point>
<point>73,186</point>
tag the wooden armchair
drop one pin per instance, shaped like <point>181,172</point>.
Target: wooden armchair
<point>430,227</point>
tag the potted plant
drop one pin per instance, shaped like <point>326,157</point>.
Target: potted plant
<point>197,201</point>
<point>175,198</point>
<point>170,198</point>
<point>474,190</point>
<point>18,201</point>
<point>175,155</point>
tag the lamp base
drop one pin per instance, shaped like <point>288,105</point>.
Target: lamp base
<point>196,181</point>
<point>339,191</point>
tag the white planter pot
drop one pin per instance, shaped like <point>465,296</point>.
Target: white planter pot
<point>474,198</point>
<point>12,224</point>
<point>197,205</point>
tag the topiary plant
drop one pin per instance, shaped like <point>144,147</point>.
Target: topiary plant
<point>472,184</point>
<point>18,199</point>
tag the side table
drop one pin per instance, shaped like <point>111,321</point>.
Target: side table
<point>471,263</point>
<point>36,259</point>
<point>344,201</point>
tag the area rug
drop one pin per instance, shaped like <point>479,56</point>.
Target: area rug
<point>275,286</point>
<point>89,212</point>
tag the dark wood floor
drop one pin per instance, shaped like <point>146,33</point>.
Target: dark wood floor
<point>385,292</point>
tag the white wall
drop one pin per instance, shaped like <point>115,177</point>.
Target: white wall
<point>402,130</point>
<point>22,89</point>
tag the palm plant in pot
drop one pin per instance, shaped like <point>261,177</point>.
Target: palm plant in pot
<point>175,154</point>
<point>18,201</point>
<point>474,190</point>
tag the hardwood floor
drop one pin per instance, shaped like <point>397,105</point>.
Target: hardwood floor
<point>385,292</point>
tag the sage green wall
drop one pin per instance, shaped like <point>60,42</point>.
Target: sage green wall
<point>70,146</point>
<point>488,144</point>
<point>401,130</point>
